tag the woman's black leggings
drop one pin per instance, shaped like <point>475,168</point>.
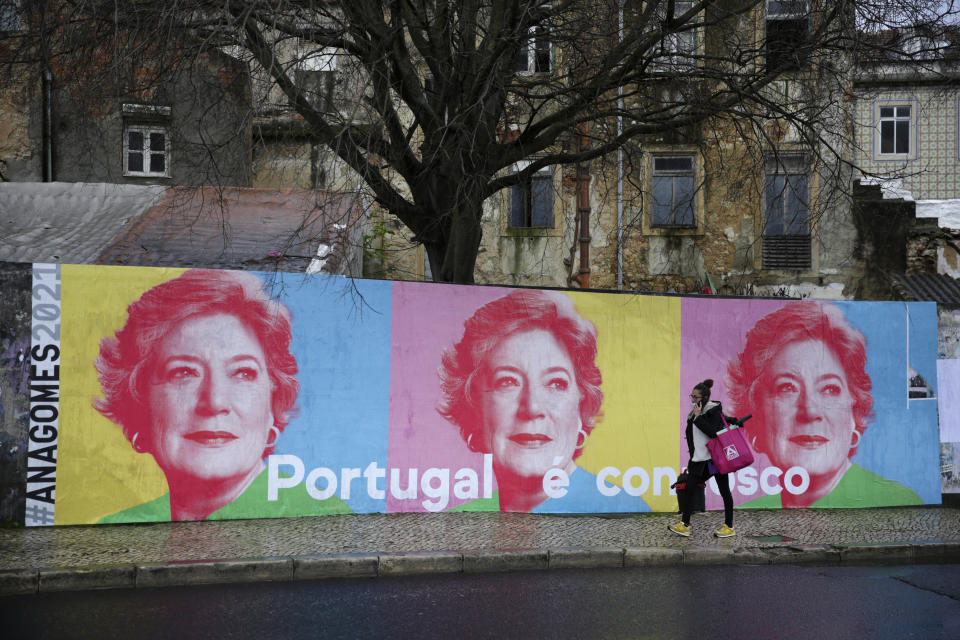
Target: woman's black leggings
<point>723,484</point>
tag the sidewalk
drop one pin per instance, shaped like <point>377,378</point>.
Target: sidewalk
<point>85,557</point>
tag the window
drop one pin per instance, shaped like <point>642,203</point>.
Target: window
<point>786,224</point>
<point>895,138</point>
<point>788,33</point>
<point>536,54</point>
<point>316,76</point>
<point>146,151</point>
<point>146,142</point>
<point>531,201</point>
<point>677,48</point>
<point>673,191</point>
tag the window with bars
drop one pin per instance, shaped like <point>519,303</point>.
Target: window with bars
<point>673,188</point>
<point>146,151</point>
<point>786,220</point>
<point>531,201</point>
<point>787,35</point>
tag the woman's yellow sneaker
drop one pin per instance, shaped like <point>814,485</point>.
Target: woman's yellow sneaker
<point>680,529</point>
<point>725,532</point>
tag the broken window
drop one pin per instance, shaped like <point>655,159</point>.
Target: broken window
<point>788,35</point>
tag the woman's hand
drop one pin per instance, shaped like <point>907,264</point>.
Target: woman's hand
<point>697,410</point>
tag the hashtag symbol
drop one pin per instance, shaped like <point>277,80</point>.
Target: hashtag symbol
<point>38,515</point>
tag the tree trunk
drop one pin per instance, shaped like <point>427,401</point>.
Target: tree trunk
<point>453,237</point>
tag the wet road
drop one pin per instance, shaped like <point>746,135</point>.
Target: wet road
<point>694,602</point>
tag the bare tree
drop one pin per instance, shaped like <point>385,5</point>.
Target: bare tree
<point>459,99</point>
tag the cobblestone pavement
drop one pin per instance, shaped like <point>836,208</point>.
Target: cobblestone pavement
<point>87,546</point>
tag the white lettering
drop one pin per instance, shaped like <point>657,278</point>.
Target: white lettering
<point>636,472</point>
<point>275,482</point>
<point>659,475</point>
<point>602,486</point>
<point>331,478</point>
<point>347,476</point>
<point>555,482</point>
<point>796,472</point>
<point>748,481</point>
<point>410,493</point>
<point>467,484</point>
<point>372,473</point>
<point>441,494</point>
<point>488,475</point>
<point>765,476</point>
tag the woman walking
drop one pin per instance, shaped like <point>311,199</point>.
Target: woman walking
<point>703,423</point>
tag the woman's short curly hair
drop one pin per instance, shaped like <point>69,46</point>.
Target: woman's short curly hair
<point>126,361</point>
<point>798,322</point>
<point>464,365</point>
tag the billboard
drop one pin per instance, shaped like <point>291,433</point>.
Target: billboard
<point>169,394</point>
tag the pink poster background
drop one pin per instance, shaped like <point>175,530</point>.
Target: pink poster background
<point>713,331</point>
<point>426,320</point>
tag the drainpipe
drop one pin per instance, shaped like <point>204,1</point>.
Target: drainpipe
<point>47,134</point>
<point>620,163</point>
<point>583,210</point>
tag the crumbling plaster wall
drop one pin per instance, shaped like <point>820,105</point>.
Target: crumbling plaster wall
<point>19,129</point>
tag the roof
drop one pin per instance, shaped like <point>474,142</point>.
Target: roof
<point>928,288</point>
<point>211,227</point>
<point>916,43</point>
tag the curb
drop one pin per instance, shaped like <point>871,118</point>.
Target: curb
<point>317,567</point>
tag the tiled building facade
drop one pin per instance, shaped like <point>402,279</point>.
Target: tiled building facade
<point>927,162</point>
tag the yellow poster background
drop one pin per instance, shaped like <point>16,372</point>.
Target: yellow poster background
<point>98,472</point>
<point>638,352</point>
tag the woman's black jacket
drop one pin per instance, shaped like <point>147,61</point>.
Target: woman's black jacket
<point>709,422</point>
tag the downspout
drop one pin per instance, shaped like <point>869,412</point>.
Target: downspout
<point>583,210</point>
<point>47,133</point>
<point>620,163</point>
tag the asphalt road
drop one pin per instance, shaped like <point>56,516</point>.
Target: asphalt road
<point>754,602</point>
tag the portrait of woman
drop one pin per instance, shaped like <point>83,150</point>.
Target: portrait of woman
<point>522,384</point>
<point>201,377</point>
<point>803,375</point>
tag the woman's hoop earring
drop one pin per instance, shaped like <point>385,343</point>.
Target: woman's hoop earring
<point>133,441</point>
<point>856,439</point>
<point>275,430</point>
<point>470,442</point>
<point>581,438</point>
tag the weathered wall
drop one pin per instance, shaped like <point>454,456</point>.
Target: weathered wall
<point>209,128</point>
<point>14,388</point>
<point>19,113</point>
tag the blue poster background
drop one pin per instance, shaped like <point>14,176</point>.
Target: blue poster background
<point>341,339</point>
<point>900,440</point>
